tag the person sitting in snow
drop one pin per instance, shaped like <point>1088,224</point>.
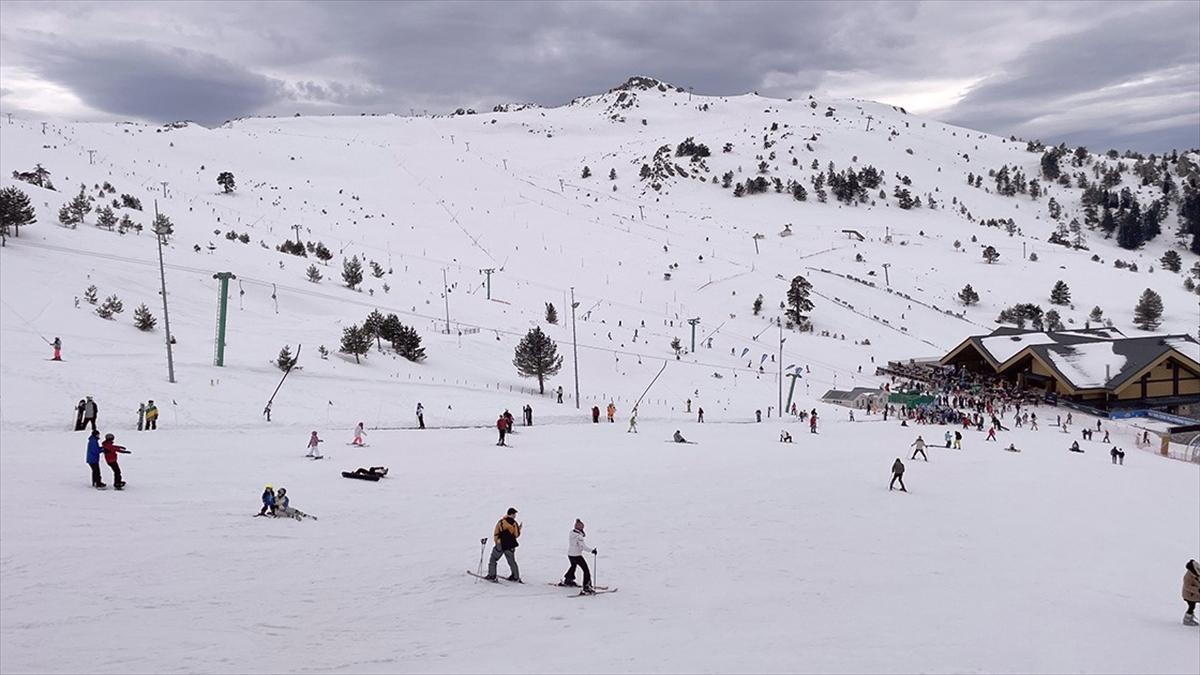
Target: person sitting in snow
<point>282,504</point>
<point>268,500</point>
<point>1075,447</point>
<point>678,437</point>
<point>785,437</point>
<point>1012,447</point>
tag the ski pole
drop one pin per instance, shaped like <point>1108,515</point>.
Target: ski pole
<point>595,569</point>
<point>482,545</point>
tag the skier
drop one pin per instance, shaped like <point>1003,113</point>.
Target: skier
<point>314,446</point>
<point>502,427</point>
<point>90,412</point>
<point>991,434</point>
<point>919,444</point>
<point>700,415</point>
<point>689,405</point>
<point>595,414</point>
<point>785,437</point>
<point>505,535</point>
<point>268,500</point>
<point>79,415</point>
<point>1191,591</point>
<point>57,345</point>
<point>794,411</point>
<point>508,421</point>
<point>527,415</point>
<point>359,432</point>
<point>110,457</point>
<point>949,438</point>
<point>93,459</point>
<point>576,547</point>
<point>151,416</point>
<point>1118,456</point>
<point>141,415</point>
<point>897,475</point>
<point>757,415</point>
<point>678,437</point>
<point>958,440</point>
<point>1033,422</point>
<point>1105,436</point>
<point>812,422</point>
<point>420,415</point>
<point>560,394</point>
<point>633,421</point>
<point>612,410</point>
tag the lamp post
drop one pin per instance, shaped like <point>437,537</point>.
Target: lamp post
<point>162,275</point>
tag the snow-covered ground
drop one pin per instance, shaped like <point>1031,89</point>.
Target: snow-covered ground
<point>738,554</point>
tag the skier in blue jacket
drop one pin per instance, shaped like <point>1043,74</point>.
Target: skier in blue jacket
<point>268,500</point>
<point>93,458</point>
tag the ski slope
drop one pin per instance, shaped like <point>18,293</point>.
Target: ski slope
<point>789,558</point>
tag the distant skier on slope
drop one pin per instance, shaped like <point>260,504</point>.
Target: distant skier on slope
<point>314,446</point>
<point>57,345</point>
<point>502,427</point>
<point>897,475</point>
<point>611,410</point>
<point>110,457</point>
<point>359,432</point>
<point>151,416</point>
<point>505,537</point>
<point>93,459</point>
<point>633,421</point>
<point>576,547</point>
<point>90,412</point>
<point>420,415</point>
<point>508,421</point>
<point>1191,591</point>
<point>919,444</point>
<point>595,414</point>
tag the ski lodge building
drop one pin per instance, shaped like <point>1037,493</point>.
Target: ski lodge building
<point>1099,367</point>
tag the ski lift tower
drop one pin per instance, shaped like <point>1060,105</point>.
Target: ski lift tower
<point>222,307</point>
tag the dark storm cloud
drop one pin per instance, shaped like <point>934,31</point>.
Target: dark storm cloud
<point>1042,69</point>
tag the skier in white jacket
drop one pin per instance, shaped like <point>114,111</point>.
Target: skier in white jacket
<point>576,547</point>
<point>359,433</point>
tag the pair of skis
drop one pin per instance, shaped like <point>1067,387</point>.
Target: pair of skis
<point>597,590</point>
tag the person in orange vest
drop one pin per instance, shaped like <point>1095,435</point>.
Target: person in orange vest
<point>612,410</point>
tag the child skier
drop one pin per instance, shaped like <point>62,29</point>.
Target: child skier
<point>57,345</point>
<point>93,459</point>
<point>314,446</point>
<point>359,432</point>
<point>502,427</point>
<point>1191,591</point>
<point>919,444</point>
<point>151,415</point>
<point>110,456</point>
<point>576,547</point>
<point>268,500</point>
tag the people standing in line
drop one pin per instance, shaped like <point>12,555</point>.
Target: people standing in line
<point>314,446</point>
<point>505,536</point>
<point>110,457</point>
<point>502,427</point>
<point>90,412</point>
<point>79,426</point>
<point>897,475</point>
<point>1191,591</point>
<point>141,415</point>
<point>612,410</point>
<point>576,547</point>
<point>359,433</point>
<point>57,345</point>
<point>420,415</point>
<point>595,414</point>
<point>700,415</point>
<point>152,416</point>
<point>919,444</point>
<point>93,459</point>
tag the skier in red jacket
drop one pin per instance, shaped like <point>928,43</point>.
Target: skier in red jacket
<point>110,456</point>
<point>502,427</point>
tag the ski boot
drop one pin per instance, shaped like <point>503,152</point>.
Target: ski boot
<point>1190,620</point>
<point>514,579</point>
<point>587,590</point>
<point>569,584</point>
<point>492,578</point>
<point>119,486</point>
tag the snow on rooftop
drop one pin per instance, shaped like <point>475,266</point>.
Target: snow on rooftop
<point>1004,347</point>
<point>1185,345</point>
<point>1087,365</point>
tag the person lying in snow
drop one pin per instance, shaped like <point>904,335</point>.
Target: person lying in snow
<point>678,437</point>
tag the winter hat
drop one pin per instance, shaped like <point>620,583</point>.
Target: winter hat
<point>109,437</point>
<point>512,511</point>
<point>578,524</point>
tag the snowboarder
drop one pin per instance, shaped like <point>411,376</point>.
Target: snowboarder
<point>785,437</point>
<point>420,415</point>
<point>595,414</point>
<point>502,427</point>
<point>1191,591</point>
<point>268,500</point>
<point>678,437</point>
<point>1075,447</point>
<point>700,415</point>
<point>359,432</point>
<point>110,457</point>
<point>576,547</point>
<point>90,412</point>
<point>141,415</point>
<point>151,416</point>
<point>919,444</point>
<point>612,410</point>
<point>632,421</point>
<point>559,392</point>
<point>314,446</point>
<point>57,345</point>
<point>1118,456</point>
<point>79,415</point>
<point>93,459</point>
<point>897,475</point>
<point>505,536</point>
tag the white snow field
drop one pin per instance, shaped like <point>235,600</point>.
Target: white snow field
<point>738,554</point>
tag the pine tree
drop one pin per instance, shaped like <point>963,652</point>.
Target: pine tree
<point>90,295</point>
<point>376,270</point>
<point>407,343</point>
<point>798,302</point>
<point>285,361</point>
<point>1053,321</point>
<point>106,218</point>
<point>373,325</point>
<point>1060,294</point>
<point>355,341</point>
<point>1147,315</point>
<point>322,253</point>
<point>551,313</point>
<point>225,180</point>
<point>72,212</point>
<point>15,211</point>
<point>990,254</point>
<point>111,306</point>
<point>1129,231</point>
<point>162,226</point>
<point>587,172</point>
<point>612,174</point>
<point>537,356</point>
<point>758,304</point>
<point>313,274</point>
<point>390,327</point>
<point>739,190</point>
<point>143,319</point>
<point>1171,261</point>
<point>352,272</point>
<point>323,351</point>
<point>799,193</point>
<point>676,346</point>
<point>1096,314</point>
<point>1054,208</point>
<point>968,296</point>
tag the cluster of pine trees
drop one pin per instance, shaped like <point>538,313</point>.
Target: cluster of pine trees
<point>377,328</point>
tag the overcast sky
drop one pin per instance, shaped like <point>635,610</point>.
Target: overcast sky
<point>1103,74</point>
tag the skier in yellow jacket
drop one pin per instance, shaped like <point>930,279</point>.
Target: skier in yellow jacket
<point>505,536</point>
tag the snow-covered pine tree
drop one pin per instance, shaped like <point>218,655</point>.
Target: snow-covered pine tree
<point>352,271</point>
<point>798,302</point>
<point>390,327</point>
<point>323,351</point>
<point>551,313</point>
<point>376,270</point>
<point>373,325</point>
<point>612,174</point>
<point>1060,294</point>
<point>355,341</point>
<point>72,213</point>
<point>407,343</point>
<point>1147,315</point>
<point>1053,320</point>
<point>90,295</point>
<point>285,361</point>
<point>162,226</point>
<point>15,211</point>
<point>313,274</point>
<point>990,254</point>
<point>143,319</point>
<point>758,304</point>
<point>1171,261</point>
<point>323,254</point>
<point>225,180</point>
<point>111,306</point>
<point>537,356</point>
<point>1096,314</point>
<point>106,218</point>
<point>968,296</point>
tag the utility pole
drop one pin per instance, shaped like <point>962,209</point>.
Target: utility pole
<point>693,322</point>
<point>91,156</point>
<point>641,212</point>
<point>222,306</point>
<point>164,184</point>
<point>869,118</point>
<point>781,341</point>
<point>488,271</point>
<point>446,296</point>
<point>575,346</point>
<point>297,229</point>
<point>792,387</point>
<point>162,275</point>
<point>756,237</point>
<point>887,281</point>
